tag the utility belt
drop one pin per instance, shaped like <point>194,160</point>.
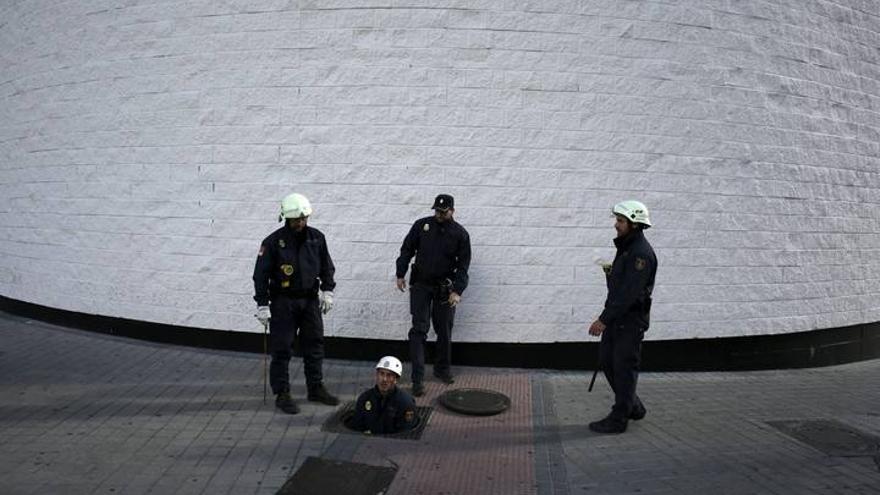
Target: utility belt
<point>440,289</point>
<point>443,283</point>
<point>295,293</point>
<point>636,316</point>
<point>641,306</point>
<point>444,286</point>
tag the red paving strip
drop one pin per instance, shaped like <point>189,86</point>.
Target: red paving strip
<point>461,454</point>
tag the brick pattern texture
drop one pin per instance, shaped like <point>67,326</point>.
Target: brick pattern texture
<point>144,147</point>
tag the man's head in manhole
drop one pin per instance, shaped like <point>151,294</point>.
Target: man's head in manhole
<point>388,371</point>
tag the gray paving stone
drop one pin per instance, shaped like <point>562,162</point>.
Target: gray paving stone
<point>88,413</point>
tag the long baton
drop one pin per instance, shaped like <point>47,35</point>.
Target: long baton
<point>266,358</point>
<point>593,380</point>
<point>595,371</point>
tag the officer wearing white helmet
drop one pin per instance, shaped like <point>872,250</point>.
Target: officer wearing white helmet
<point>293,267</point>
<point>385,408</point>
<point>626,315</point>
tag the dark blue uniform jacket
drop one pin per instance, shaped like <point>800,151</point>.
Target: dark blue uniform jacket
<point>442,250</point>
<point>382,415</point>
<point>630,282</point>
<point>292,264</point>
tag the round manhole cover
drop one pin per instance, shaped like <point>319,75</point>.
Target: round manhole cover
<point>475,401</point>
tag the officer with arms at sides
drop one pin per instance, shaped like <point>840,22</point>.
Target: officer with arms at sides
<point>292,268</point>
<point>385,408</point>
<point>442,250</point>
<point>626,315</point>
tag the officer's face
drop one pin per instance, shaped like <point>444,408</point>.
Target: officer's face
<point>385,380</point>
<point>443,216</point>
<point>297,224</point>
<point>622,225</point>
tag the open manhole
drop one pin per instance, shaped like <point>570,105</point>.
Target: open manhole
<point>322,476</point>
<point>831,437</point>
<point>475,401</point>
<point>338,423</point>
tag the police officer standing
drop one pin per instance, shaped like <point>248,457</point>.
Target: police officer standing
<point>626,316</point>
<point>442,248</point>
<point>385,408</point>
<point>292,267</point>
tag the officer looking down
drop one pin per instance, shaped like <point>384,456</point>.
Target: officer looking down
<point>292,267</point>
<point>626,315</point>
<point>385,408</point>
<point>442,248</point>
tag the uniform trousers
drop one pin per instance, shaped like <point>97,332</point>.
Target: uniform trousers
<point>295,319</point>
<point>620,352</point>
<point>429,305</point>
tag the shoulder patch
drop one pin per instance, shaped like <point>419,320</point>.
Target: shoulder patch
<point>641,263</point>
<point>281,243</point>
<point>426,227</point>
<point>368,406</point>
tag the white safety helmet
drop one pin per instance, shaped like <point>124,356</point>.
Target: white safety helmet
<point>634,211</point>
<point>391,364</point>
<point>295,206</point>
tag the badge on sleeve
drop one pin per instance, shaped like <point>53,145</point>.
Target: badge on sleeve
<point>641,263</point>
<point>281,243</point>
<point>368,406</point>
<point>426,227</point>
<point>287,269</point>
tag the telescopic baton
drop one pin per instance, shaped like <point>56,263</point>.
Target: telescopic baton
<point>266,358</point>
<point>596,370</point>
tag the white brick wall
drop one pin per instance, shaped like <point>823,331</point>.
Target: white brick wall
<point>144,148</point>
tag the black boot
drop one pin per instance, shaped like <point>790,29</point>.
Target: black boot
<point>638,413</point>
<point>609,425</point>
<point>317,393</point>
<point>444,376</point>
<point>285,402</point>
<point>418,389</point>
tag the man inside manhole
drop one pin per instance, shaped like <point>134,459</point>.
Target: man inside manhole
<point>385,408</point>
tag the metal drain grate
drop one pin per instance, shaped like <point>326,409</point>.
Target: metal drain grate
<point>324,476</point>
<point>831,437</point>
<point>337,423</point>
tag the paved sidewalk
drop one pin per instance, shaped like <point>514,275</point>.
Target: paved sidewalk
<point>84,413</point>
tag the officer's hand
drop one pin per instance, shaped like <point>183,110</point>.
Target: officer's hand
<point>454,298</point>
<point>326,302</point>
<point>597,328</point>
<point>263,315</point>
<point>401,284</point>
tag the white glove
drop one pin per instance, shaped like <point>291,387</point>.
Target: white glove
<point>326,301</point>
<point>263,315</point>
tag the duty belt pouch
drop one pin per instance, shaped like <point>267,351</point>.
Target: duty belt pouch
<point>444,289</point>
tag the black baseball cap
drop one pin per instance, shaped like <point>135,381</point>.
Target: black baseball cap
<point>443,202</point>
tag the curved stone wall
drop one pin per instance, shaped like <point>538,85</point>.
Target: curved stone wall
<point>144,147</point>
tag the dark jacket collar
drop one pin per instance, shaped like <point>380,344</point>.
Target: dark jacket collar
<point>392,393</point>
<point>296,236</point>
<point>628,239</point>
